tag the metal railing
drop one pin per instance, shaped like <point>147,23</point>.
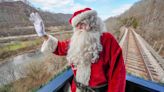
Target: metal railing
<point>56,84</point>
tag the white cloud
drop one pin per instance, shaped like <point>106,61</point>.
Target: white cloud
<point>120,10</point>
<point>90,0</point>
<point>76,7</point>
<point>65,6</point>
<point>53,3</point>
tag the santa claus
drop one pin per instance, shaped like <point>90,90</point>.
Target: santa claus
<point>94,55</point>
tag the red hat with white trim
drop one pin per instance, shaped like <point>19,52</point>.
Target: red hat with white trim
<point>80,15</point>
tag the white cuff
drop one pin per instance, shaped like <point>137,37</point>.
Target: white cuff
<point>50,45</point>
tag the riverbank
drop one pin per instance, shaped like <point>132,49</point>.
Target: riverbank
<point>15,48</point>
<point>12,49</point>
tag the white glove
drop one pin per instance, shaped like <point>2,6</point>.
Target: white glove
<point>38,23</point>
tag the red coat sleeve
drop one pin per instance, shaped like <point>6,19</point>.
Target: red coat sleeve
<point>62,48</point>
<point>116,72</point>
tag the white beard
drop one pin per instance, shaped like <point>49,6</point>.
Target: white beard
<point>84,47</point>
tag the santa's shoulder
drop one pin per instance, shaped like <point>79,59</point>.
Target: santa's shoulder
<point>107,35</point>
<point>108,39</point>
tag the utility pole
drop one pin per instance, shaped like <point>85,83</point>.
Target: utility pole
<point>154,44</point>
<point>160,48</point>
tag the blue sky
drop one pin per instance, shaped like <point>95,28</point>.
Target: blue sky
<point>105,8</point>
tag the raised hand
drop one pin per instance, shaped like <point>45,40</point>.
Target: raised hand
<point>38,23</point>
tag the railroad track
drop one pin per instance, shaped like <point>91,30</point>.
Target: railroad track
<point>137,60</point>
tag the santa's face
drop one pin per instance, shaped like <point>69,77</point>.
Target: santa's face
<point>82,26</point>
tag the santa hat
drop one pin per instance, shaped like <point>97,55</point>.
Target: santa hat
<point>80,15</point>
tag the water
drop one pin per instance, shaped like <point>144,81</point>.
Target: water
<point>11,70</point>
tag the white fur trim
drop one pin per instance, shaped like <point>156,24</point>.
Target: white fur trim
<point>81,16</point>
<point>50,45</point>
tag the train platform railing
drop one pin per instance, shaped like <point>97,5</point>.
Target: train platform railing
<point>56,84</point>
<point>145,84</point>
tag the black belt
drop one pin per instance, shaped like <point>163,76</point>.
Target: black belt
<point>85,88</point>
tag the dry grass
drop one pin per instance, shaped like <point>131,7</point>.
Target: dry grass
<point>35,75</point>
<point>39,73</point>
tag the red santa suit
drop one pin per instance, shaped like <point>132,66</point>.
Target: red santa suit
<point>109,68</point>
